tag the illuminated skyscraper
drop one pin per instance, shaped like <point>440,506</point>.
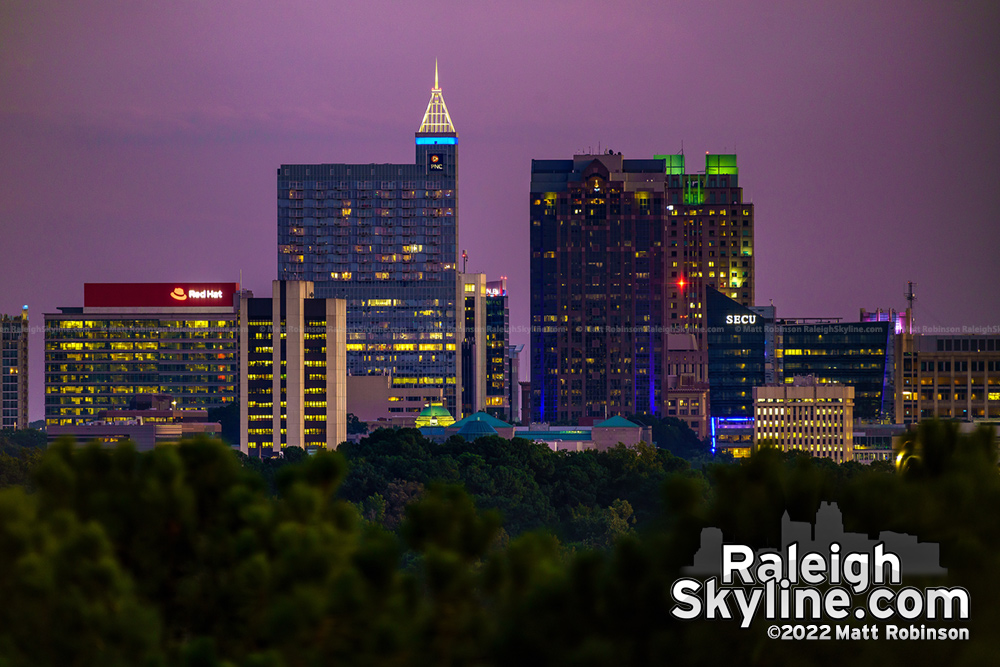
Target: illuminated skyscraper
<point>384,237</point>
<point>473,342</point>
<point>498,362</point>
<point>134,339</point>
<point>293,389</point>
<point>621,254</point>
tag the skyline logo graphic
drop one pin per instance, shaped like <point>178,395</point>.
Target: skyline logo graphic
<point>823,583</point>
<point>179,294</point>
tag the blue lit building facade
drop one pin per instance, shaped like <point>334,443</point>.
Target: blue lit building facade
<point>749,347</point>
<point>739,339</point>
<point>857,354</point>
<point>384,237</point>
<point>622,252</point>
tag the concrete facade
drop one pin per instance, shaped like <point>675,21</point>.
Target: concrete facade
<point>815,418</point>
<point>948,377</point>
<point>293,391</point>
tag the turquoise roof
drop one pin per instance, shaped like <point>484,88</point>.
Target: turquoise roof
<point>553,435</point>
<point>476,429</point>
<point>616,422</point>
<point>481,417</point>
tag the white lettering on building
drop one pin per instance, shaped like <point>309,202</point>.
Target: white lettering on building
<point>205,294</point>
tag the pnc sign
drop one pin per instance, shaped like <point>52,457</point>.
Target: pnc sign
<point>158,295</point>
<point>435,162</point>
<point>741,319</point>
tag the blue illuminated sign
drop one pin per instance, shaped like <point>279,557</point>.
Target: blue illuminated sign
<point>428,141</point>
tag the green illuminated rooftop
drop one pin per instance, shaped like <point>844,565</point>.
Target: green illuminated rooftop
<point>721,164</point>
<point>675,163</point>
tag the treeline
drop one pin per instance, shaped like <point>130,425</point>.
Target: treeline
<point>20,452</point>
<point>587,498</point>
<point>184,556</point>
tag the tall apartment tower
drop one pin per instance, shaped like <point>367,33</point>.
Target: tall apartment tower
<point>384,237</point>
<point>14,370</point>
<point>621,254</point>
<point>293,369</point>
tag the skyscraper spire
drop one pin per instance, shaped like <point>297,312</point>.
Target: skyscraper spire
<point>436,118</point>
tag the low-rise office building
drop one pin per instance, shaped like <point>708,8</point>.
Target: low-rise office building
<point>815,418</point>
<point>132,339</point>
<point>149,421</point>
<point>375,400</point>
<point>947,377</point>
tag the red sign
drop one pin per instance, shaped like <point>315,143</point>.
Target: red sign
<point>158,295</point>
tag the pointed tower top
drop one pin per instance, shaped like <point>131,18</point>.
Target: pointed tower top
<point>436,118</point>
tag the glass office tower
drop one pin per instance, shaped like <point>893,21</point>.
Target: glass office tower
<point>384,237</point>
<point>622,251</point>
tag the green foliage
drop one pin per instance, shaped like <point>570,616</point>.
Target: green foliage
<point>12,440</point>
<point>675,435</point>
<point>531,486</point>
<point>20,452</point>
<point>185,555</point>
<point>355,426</point>
<point>228,417</point>
<point>16,467</point>
<point>66,599</point>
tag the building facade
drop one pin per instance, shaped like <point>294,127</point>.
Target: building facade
<point>815,418</point>
<point>474,351</point>
<point>497,350</point>
<point>294,370</point>
<point>384,237</point>
<point>622,252</point>
<point>150,420</point>
<point>374,400</point>
<point>858,354</point>
<point>947,377</point>
<point>14,370</point>
<point>738,340</point>
<point>514,373</point>
<point>130,339</point>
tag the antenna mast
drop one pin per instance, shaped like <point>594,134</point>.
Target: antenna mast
<point>910,297</point>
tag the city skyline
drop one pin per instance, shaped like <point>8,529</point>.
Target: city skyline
<point>146,154</point>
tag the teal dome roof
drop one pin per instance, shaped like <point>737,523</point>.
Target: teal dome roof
<point>476,429</point>
<point>482,417</point>
<point>617,422</point>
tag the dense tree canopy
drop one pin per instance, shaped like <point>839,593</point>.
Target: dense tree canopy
<point>531,486</point>
<point>186,556</point>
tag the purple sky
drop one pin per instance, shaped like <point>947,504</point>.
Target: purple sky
<point>139,140</point>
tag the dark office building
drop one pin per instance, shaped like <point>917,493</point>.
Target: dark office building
<point>384,237</point>
<point>622,252</point>
<point>497,352</point>
<point>14,370</point>
<point>748,348</point>
<point>738,341</point>
<point>851,353</point>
